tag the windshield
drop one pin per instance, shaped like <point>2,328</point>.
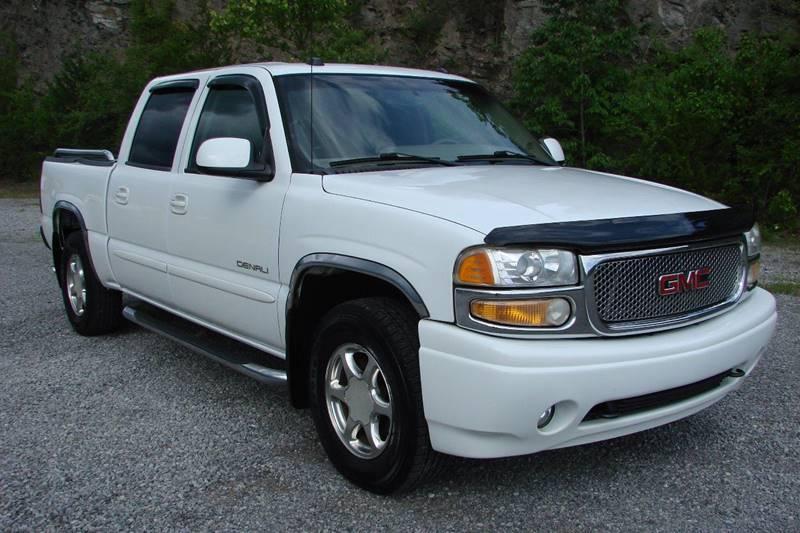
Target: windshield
<point>391,120</point>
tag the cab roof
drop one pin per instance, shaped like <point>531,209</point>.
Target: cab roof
<point>285,69</point>
<point>281,69</point>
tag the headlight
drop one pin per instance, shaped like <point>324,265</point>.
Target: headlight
<point>753,238</point>
<point>496,267</point>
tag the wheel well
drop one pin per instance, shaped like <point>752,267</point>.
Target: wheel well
<point>317,291</point>
<point>65,221</point>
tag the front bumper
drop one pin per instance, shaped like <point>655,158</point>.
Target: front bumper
<point>483,395</point>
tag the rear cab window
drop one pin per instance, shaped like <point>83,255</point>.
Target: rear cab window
<point>160,124</point>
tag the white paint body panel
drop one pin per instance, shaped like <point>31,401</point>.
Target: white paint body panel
<point>490,196</point>
<point>420,247</point>
<point>482,394</point>
<point>224,152</point>
<point>137,247</point>
<point>84,187</point>
<point>229,222</point>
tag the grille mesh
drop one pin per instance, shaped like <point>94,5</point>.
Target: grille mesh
<point>626,290</point>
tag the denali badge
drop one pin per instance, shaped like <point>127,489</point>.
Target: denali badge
<point>679,282</point>
<point>255,268</point>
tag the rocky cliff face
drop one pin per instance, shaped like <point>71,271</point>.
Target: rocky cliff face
<point>479,40</point>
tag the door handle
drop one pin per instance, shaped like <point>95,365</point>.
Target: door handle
<point>121,195</point>
<point>179,204</point>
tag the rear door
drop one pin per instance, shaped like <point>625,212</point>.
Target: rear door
<point>139,192</point>
<point>223,234</point>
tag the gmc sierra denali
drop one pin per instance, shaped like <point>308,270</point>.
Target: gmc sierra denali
<point>419,270</point>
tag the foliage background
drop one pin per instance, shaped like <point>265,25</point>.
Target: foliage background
<point>720,121</point>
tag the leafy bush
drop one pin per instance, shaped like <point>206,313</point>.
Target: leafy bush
<point>570,81</point>
<point>424,23</point>
<point>721,123</point>
<point>298,28</point>
<point>89,101</point>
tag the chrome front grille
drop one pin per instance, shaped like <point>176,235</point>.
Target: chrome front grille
<point>626,290</point>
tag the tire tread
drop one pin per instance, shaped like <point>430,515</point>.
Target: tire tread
<point>400,322</point>
<point>397,324</point>
<point>104,310</point>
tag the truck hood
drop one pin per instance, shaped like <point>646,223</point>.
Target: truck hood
<point>491,196</point>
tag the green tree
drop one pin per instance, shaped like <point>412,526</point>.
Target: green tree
<point>21,121</point>
<point>569,81</point>
<point>679,112</point>
<point>298,28</point>
<point>723,124</point>
<point>89,101</point>
<point>162,44</point>
<point>93,95</point>
<point>767,74</point>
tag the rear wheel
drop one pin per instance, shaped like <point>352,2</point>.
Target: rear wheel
<point>366,397</point>
<point>91,308</point>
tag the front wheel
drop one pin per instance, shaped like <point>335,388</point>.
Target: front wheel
<point>91,308</point>
<point>366,397</point>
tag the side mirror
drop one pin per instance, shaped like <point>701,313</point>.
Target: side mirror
<point>554,149</point>
<point>224,153</point>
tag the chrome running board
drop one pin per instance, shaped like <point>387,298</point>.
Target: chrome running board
<point>250,361</point>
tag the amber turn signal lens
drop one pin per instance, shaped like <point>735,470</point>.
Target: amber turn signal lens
<point>753,272</point>
<point>475,269</point>
<point>550,312</point>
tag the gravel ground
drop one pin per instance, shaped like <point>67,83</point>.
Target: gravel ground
<point>131,431</point>
<point>781,264</point>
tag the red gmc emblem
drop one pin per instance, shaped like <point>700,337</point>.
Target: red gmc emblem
<point>679,282</point>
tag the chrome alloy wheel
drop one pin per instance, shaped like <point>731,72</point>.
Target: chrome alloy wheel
<point>359,400</point>
<point>76,285</point>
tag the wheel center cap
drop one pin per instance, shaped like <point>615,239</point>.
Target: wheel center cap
<point>359,401</point>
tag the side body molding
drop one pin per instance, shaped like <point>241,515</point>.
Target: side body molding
<point>324,261</point>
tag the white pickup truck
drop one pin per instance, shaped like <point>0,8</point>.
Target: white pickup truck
<point>420,271</point>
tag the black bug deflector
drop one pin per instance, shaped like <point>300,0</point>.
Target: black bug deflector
<point>614,234</point>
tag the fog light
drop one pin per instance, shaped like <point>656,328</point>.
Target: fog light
<point>549,312</point>
<point>546,417</point>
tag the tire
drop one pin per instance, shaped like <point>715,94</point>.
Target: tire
<point>94,310</point>
<point>384,330</point>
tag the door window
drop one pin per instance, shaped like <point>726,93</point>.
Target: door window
<point>232,111</point>
<point>159,127</point>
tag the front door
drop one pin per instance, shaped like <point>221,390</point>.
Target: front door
<point>223,228</point>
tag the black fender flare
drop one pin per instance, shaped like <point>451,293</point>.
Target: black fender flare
<point>58,244</point>
<point>332,261</point>
<point>353,264</point>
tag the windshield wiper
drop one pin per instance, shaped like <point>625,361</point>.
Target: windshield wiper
<point>501,155</point>
<point>392,157</point>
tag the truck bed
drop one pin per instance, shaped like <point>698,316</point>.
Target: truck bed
<point>79,178</point>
